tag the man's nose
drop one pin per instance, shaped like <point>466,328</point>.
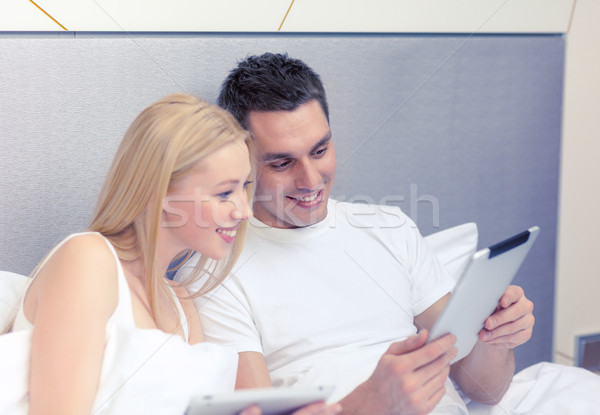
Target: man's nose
<point>307,176</point>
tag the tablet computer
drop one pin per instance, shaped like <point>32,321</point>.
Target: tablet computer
<point>272,401</point>
<point>477,292</point>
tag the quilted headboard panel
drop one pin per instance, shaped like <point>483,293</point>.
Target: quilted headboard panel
<point>451,128</point>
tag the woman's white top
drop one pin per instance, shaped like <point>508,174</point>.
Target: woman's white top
<point>144,370</point>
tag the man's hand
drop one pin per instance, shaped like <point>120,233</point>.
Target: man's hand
<point>512,323</point>
<point>485,374</point>
<point>409,378</point>
<point>318,408</point>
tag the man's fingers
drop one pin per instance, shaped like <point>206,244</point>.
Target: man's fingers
<point>430,393</point>
<point>414,372</point>
<point>442,348</point>
<point>415,343</point>
<point>410,344</point>
<point>514,334</point>
<point>523,308</point>
<point>438,367</point>
<point>251,410</point>
<point>512,294</point>
<point>319,408</point>
<point>511,341</point>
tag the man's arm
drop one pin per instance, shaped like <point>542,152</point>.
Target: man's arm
<point>485,374</point>
<point>252,371</point>
<point>409,378</point>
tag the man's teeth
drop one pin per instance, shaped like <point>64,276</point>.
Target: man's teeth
<point>228,232</point>
<point>309,198</point>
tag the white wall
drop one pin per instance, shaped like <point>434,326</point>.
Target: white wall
<point>578,272</point>
<point>423,16</point>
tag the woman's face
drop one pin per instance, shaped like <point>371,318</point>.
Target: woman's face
<point>203,210</point>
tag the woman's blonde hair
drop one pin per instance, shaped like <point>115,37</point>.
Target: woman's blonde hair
<point>162,144</point>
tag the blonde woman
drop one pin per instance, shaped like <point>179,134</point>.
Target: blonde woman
<point>100,329</point>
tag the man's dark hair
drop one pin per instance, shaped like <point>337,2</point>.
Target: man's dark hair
<point>270,82</point>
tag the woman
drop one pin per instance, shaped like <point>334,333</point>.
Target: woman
<point>101,329</point>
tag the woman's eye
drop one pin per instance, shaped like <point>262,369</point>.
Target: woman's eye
<point>225,195</point>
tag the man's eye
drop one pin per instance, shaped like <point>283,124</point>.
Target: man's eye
<point>282,165</point>
<point>320,151</point>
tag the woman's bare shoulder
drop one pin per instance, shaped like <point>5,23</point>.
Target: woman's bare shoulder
<point>81,271</point>
<point>88,254</point>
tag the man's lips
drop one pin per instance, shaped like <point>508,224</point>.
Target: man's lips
<point>308,200</point>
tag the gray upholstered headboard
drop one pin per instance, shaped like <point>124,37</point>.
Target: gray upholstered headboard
<point>451,128</point>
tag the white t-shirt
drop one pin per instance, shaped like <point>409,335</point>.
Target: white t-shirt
<point>323,303</point>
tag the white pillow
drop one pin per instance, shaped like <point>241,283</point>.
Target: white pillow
<point>12,289</point>
<point>454,247</point>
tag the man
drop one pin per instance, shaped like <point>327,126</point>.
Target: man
<point>333,293</point>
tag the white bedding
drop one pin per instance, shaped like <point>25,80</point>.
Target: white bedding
<point>547,389</point>
<point>12,289</point>
<point>544,388</point>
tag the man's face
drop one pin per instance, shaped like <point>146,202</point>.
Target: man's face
<point>296,165</point>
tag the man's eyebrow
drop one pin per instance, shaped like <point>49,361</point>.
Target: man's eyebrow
<point>322,142</point>
<point>267,157</point>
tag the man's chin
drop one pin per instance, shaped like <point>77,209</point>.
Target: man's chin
<point>290,215</point>
<point>304,219</point>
